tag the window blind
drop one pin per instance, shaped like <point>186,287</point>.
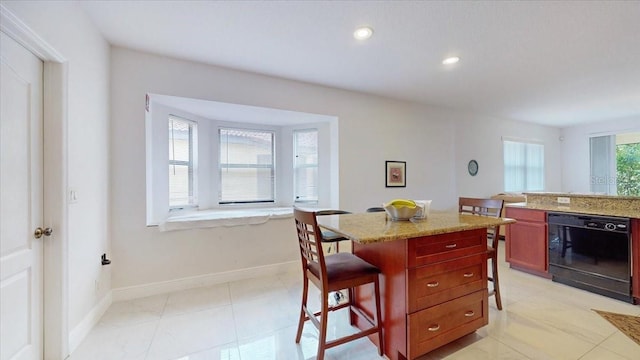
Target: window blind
<point>523,166</point>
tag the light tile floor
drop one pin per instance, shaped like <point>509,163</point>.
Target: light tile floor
<point>256,319</point>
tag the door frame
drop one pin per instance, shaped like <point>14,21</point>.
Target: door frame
<point>55,277</point>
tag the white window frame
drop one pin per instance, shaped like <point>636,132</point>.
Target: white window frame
<point>156,136</point>
<point>527,167</point>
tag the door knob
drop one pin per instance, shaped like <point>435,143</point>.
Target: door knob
<point>40,232</point>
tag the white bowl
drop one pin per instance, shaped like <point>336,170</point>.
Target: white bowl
<point>401,212</point>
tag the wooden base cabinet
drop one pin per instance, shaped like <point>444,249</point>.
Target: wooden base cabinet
<point>433,289</point>
<point>526,241</point>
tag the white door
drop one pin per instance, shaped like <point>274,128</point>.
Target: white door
<point>21,209</point>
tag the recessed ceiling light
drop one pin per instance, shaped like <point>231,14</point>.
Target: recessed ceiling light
<point>451,60</point>
<point>363,33</point>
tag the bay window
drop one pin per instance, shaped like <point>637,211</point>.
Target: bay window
<point>254,158</point>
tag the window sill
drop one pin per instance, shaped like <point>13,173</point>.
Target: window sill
<point>217,218</point>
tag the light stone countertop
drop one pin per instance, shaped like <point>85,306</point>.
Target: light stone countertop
<point>604,209</point>
<point>366,228</point>
<point>583,195</point>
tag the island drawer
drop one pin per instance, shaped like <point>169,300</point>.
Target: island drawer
<point>441,324</point>
<point>430,285</point>
<point>437,248</point>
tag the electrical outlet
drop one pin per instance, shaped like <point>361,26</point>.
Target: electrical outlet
<point>564,200</point>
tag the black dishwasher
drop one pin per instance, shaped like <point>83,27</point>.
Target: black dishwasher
<point>591,253</point>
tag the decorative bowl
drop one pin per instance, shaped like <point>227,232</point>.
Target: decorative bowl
<point>400,212</point>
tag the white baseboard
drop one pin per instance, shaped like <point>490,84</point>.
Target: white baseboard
<point>163,287</point>
<point>81,330</point>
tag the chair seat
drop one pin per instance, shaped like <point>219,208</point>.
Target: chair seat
<point>344,266</point>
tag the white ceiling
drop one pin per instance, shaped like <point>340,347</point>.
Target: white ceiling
<point>551,62</point>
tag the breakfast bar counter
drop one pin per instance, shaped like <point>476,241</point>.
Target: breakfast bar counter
<point>369,228</point>
<point>434,276</point>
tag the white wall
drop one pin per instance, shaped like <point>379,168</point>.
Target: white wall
<point>480,138</point>
<point>67,29</point>
<point>575,150</point>
<point>371,130</point>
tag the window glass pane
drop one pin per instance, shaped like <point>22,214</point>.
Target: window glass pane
<point>247,185</point>
<point>628,169</point>
<point>181,162</point>
<point>246,166</point>
<point>306,165</point>
<point>615,164</point>
<point>603,162</point>
<point>535,167</point>
<point>179,185</point>
<point>245,147</point>
<point>523,166</point>
<point>514,166</point>
<point>306,184</point>
<point>179,139</point>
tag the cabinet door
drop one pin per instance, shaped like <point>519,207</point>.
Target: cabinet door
<point>527,246</point>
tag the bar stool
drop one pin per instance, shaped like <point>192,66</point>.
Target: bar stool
<point>333,273</point>
<point>487,207</point>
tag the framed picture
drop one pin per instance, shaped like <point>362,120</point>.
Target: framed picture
<point>396,173</point>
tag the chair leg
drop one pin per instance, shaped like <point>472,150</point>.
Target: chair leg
<point>303,305</point>
<point>350,301</point>
<point>496,283</point>
<point>322,331</point>
<point>379,317</point>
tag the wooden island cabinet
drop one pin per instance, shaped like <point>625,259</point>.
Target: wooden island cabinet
<point>526,241</point>
<point>434,276</point>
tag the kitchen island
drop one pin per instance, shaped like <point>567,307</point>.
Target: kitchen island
<point>434,276</point>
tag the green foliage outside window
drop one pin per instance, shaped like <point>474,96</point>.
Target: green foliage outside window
<point>628,162</point>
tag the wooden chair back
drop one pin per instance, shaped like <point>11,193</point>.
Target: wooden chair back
<point>484,207</point>
<point>310,241</point>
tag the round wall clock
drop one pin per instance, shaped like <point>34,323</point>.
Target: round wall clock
<point>472,167</point>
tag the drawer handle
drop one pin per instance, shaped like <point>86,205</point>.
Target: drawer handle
<point>435,327</point>
<point>468,275</point>
<point>433,284</point>
<point>451,246</point>
<point>469,313</point>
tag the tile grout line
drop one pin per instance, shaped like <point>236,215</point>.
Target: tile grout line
<point>155,331</point>
<point>235,325</point>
